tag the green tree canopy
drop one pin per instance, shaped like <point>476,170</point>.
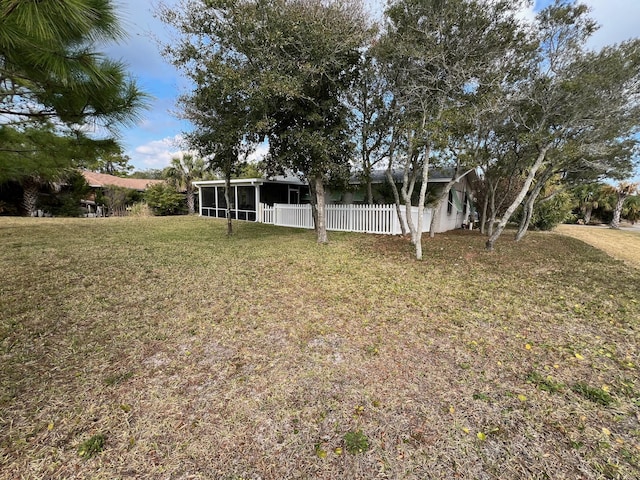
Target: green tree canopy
<point>275,69</point>
<point>50,68</point>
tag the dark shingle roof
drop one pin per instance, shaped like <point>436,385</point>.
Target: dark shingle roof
<point>380,176</point>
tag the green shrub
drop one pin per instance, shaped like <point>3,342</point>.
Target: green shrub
<point>549,214</point>
<point>165,200</point>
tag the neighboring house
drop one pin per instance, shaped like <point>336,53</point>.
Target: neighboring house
<point>102,181</point>
<point>253,199</point>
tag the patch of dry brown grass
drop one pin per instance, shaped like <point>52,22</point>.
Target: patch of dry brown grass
<point>621,244</point>
<point>199,356</point>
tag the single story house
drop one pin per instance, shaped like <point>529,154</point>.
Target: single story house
<point>101,181</point>
<point>250,197</point>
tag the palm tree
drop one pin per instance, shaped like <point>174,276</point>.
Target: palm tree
<point>631,209</point>
<point>623,190</point>
<point>588,197</point>
<point>183,172</point>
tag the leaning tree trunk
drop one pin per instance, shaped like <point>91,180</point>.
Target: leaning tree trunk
<point>396,199</point>
<point>527,212</point>
<point>31,189</point>
<point>435,214</point>
<point>321,226</point>
<point>518,200</point>
<point>493,213</point>
<point>227,189</point>
<point>394,188</point>
<point>530,204</point>
<point>615,222</point>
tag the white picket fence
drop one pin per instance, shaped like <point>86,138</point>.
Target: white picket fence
<point>380,219</point>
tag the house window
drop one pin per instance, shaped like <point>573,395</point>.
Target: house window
<point>246,198</point>
<point>450,203</point>
<point>208,196</point>
<point>465,204</point>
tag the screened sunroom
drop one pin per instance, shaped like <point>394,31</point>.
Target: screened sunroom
<point>247,194</point>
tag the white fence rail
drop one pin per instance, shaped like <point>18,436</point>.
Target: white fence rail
<point>381,219</point>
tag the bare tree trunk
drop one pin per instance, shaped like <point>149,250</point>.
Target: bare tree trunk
<point>493,212</point>
<point>31,189</point>
<point>407,192</point>
<point>529,205</point>
<point>396,198</point>
<point>512,208</point>
<point>527,212</point>
<point>435,216</point>
<point>369,191</point>
<point>615,221</point>
<point>421,198</point>
<point>483,217</point>
<point>314,203</point>
<point>191,204</point>
<point>408,184</point>
<point>587,214</point>
<point>394,188</point>
<point>492,223</point>
<point>321,227</point>
<point>227,189</point>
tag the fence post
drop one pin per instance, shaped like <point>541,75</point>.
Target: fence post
<point>395,222</point>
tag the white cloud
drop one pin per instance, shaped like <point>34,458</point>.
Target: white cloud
<point>527,14</point>
<point>259,153</point>
<point>156,153</point>
<point>618,20</point>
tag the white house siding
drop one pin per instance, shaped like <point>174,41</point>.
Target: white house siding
<point>457,216</point>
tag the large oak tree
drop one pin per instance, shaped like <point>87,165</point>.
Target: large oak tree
<point>277,70</point>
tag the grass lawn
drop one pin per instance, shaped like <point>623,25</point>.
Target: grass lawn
<point>621,244</point>
<point>158,348</point>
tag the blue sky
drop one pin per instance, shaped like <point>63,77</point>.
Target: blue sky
<point>155,139</point>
